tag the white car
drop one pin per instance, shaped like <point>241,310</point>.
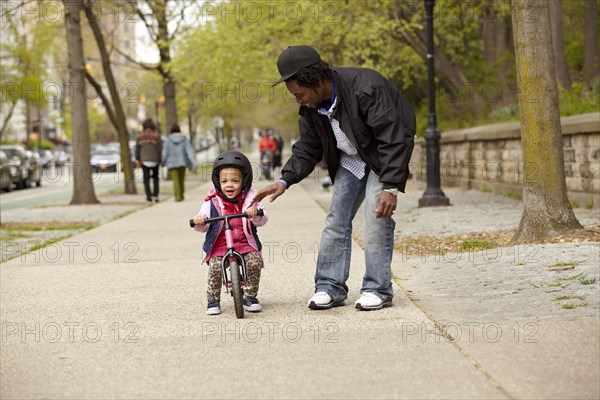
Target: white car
<point>105,160</point>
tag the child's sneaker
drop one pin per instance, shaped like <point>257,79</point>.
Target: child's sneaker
<point>251,304</point>
<point>213,307</point>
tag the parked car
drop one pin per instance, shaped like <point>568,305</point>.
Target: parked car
<point>6,182</point>
<point>17,159</point>
<point>61,157</point>
<point>47,159</point>
<point>34,164</point>
<point>105,160</point>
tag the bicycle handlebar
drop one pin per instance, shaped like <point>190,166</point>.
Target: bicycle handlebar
<point>227,217</point>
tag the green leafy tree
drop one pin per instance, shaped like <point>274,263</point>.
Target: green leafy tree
<point>474,54</point>
<point>24,48</point>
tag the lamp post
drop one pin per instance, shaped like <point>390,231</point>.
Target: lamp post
<point>433,196</point>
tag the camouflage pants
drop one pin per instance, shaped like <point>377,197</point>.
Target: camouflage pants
<point>215,280</point>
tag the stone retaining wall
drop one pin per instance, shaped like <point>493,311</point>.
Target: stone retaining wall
<point>489,158</point>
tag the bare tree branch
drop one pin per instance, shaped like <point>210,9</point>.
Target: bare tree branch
<point>149,26</point>
<point>147,67</point>
<point>180,29</point>
<point>105,102</point>
<point>179,25</point>
<point>6,10</point>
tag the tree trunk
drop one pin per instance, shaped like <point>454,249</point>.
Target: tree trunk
<point>170,102</point>
<point>7,118</point>
<point>547,211</point>
<point>490,36</point>
<point>119,113</point>
<point>494,34</point>
<point>83,186</point>
<point>164,49</point>
<point>497,46</point>
<point>560,62</point>
<point>191,125</point>
<point>590,53</point>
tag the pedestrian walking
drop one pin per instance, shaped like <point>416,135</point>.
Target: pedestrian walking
<point>279,153</point>
<point>232,194</point>
<point>177,155</point>
<point>364,129</point>
<point>148,153</point>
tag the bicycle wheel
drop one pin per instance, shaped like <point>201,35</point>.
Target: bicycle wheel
<point>236,289</point>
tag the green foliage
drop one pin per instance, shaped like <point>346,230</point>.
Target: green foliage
<point>24,65</point>
<point>505,113</point>
<point>225,66</point>
<point>579,100</point>
<point>45,144</point>
<point>573,16</point>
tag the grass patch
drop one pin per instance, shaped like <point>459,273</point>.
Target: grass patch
<point>572,278</point>
<point>564,264</point>
<point>574,203</point>
<point>571,306</point>
<point>585,281</point>
<point>47,243</point>
<point>14,235</point>
<point>559,298</point>
<point>477,244</point>
<point>126,213</point>
<point>514,195</point>
<point>558,285</point>
<point>417,241</point>
<point>44,226</point>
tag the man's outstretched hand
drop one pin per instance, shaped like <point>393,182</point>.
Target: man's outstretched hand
<point>275,189</point>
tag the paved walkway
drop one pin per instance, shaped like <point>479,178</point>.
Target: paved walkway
<point>528,315</point>
<point>118,312</point>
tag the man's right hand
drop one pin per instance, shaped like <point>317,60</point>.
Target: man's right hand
<point>275,189</point>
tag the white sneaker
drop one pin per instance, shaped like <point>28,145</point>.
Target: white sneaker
<point>213,308</point>
<point>322,301</point>
<point>252,304</point>
<point>370,301</point>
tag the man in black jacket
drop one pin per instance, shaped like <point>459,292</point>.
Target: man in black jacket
<point>364,129</point>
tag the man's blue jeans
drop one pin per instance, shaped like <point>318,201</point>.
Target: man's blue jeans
<point>333,263</point>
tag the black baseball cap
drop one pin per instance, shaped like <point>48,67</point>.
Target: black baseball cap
<point>293,59</point>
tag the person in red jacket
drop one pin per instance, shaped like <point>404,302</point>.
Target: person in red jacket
<point>267,143</point>
<point>232,194</point>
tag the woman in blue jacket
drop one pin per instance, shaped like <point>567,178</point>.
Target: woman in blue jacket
<point>177,155</point>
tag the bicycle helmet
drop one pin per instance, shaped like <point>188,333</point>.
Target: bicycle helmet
<point>232,159</point>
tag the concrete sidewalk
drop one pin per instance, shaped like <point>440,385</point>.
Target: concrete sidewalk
<point>118,312</point>
<point>528,315</point>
